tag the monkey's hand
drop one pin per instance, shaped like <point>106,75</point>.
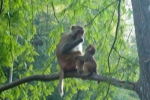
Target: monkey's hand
<point>81,39</point>
<point>70,45</point>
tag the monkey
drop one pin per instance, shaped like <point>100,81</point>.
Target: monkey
<point>86,64</point>
<point>69,46</point>
<point>79,65</point>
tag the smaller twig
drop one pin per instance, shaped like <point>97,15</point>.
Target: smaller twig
<point>1,98</point>
<point>107,92</point>
<point>129,34</point>
<point>54,12</point>
<point>99,13</point>
<point>1,6</point>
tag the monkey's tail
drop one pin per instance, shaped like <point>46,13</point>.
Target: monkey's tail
<point>61,83</point>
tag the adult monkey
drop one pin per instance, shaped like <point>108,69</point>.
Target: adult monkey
<point>69,46</point>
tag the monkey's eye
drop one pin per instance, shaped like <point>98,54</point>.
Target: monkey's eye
<point>80,31</point>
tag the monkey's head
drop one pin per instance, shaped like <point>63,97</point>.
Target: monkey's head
<point>90,49</point>
<point>77,32</point>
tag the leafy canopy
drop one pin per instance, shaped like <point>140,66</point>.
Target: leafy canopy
<point>31,29</point>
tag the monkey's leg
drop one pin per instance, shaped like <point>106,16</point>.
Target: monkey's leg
<point>79,66</point>
<point>69,46</point>
<point>86,71</point>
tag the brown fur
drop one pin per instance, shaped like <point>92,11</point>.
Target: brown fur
<point>89,65</point>
<point>69,46</point>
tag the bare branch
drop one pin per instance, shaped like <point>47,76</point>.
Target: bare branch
<point>54,12</point>
<point>116,34</point>
<point>46,78</point>
<point>100,13</point>
<point>1,7</point>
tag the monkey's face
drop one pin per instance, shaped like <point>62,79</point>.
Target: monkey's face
<point>90,49</point>
<point>77,32</point>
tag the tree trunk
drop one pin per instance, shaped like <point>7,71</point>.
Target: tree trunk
<point>141,14</point>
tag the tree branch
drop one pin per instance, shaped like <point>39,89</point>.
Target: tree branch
<point>46,78</point>
<point>54,12</point>
<point>99,13</point>
<point>116,34</point>
<point>1,7</point>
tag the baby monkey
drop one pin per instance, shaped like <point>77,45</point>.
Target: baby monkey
<point>86,64</point>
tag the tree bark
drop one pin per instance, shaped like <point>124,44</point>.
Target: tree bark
<point>141,14</point>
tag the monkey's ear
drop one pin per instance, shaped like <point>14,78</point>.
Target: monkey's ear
<point>90,47</point>
<point>72,27</point>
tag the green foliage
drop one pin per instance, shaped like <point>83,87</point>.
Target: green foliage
<point>31,29</point>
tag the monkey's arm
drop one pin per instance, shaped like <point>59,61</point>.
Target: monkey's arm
<point>69,46</point>
<point>82,58</point>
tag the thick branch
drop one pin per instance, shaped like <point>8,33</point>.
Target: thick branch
<point>46,78</point>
